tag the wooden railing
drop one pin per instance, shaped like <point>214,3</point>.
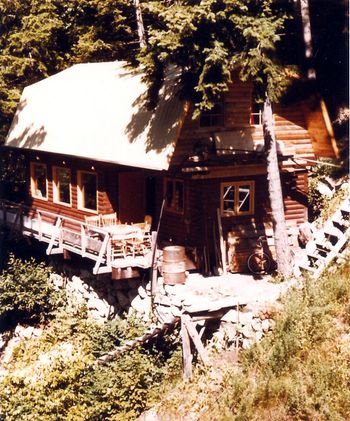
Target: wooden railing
<point>61,233</point>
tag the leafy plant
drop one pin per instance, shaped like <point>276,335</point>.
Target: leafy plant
<point>26,293</point>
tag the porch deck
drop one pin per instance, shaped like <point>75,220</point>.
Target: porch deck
<point>67,234</point>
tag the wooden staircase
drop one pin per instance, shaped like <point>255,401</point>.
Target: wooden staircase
<point>328,242</point>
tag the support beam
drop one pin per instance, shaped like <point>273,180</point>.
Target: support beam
<point>186,351</point>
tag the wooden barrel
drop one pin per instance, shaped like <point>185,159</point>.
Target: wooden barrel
<point>173,266</point>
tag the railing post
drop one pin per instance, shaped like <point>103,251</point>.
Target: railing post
<point>40,226</point>
<point>83,240</point>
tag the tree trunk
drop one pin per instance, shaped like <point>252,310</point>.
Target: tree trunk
<point>309,54</point>
<point>275,192</point>
<point>140,25</point>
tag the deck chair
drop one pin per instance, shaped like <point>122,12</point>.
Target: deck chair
<point>109,219</point>
<point>93,220</point>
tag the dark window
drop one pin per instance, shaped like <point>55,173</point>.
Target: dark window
<point>237,198</point>
<point>88,190</point>
<point>174,195</point>
<point>39,180</point>
<point>62,183</point>
<point>213,117</point>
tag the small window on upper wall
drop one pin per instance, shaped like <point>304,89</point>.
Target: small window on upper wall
<point>213,117</point>
<point>87,190</point>
<point>62,185</point>
<point>38,180</point>
<point>174,195</point>
<point>237,198</point>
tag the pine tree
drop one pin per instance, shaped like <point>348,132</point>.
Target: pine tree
<point>208,40</point>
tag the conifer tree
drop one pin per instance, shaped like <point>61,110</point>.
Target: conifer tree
<point>208,40</point>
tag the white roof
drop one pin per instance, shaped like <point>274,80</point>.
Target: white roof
<point>97,111</point>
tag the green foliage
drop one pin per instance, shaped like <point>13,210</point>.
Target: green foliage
<point>38,39</point>
<point>301,371</point>
<point>26,294</point>
<point>208,40</point>
<point>55,378</point>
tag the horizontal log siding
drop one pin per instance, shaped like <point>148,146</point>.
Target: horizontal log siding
<point>71,211</point>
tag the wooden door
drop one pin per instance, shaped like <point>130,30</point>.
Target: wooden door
<point>131,196</point>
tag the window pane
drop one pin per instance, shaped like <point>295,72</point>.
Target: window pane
<point>40,180</point>
<point>229,199</point>
<point>244,198</point>
<point>89,189</point>
<point>63,181</point>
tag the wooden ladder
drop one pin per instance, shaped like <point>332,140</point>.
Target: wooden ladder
<point>329,241</point>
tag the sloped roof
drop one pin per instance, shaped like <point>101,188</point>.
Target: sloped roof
<point>98,111</point>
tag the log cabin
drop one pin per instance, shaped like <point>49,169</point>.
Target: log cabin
<point>93,147</point>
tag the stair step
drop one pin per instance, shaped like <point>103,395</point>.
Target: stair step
<point>333,232</point>
<point>307,268</point>
<point>316,257</point>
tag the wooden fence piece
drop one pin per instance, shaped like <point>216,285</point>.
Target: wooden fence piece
<point>186,350</point>
<point>192,331</point>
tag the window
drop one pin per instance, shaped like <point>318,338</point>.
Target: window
<point>213,117</point>
<point>62,185</point>
<point>38,180</point>
<point>237,198</point>
<point>256,115</point>
<point>174,199</point>
<point>87,190</point>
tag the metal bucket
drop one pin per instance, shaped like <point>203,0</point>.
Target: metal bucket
<point>173,266</point>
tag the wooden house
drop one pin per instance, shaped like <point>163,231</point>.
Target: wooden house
<point>94,148</point>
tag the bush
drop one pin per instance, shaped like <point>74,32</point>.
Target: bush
<point>55,378</point>
<point>26,293</point>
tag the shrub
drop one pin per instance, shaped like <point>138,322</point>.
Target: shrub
<point>26,293</point>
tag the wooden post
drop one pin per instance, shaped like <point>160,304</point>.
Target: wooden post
<point>154,264</point>
<point>186,350</point>
<point>192,331</point>
<point>222,244</point>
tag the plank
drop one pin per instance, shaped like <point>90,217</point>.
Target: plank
<point>186,350</point>
<point>192,331</point>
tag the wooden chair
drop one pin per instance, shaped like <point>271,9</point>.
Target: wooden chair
<point>118,249</point>
<point>109,219</point>
<point>135,245</point>
<point>93,220</point>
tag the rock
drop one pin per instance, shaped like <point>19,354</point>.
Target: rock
<point>230,331</point>
<point>57,280</point>
<point>258,335</point>
<point>122,300</point>
<point>231,316</point>
<point>265,324</point>
<point>248,332</point>
<point>163,300</point>
<point>257,325</point>
<point>142,291</point>
<point>24,332</point>
<point>164,314</point>
<point>305,234</point>
<point>272,324</point>
<point>141,305</point>
<point>245,317</point>
<point>247,343</point>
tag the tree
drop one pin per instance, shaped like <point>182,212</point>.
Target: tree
<point>38,39</point>
<point>208,40</point>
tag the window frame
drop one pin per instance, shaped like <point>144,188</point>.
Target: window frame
<point>213,115</point>
<point>33,181</point>
<point>56,188</point>
<point>174,208</point>
<point>236,185</point>
<point>80,192</point>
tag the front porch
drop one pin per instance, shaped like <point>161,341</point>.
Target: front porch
<point>64,235</point>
